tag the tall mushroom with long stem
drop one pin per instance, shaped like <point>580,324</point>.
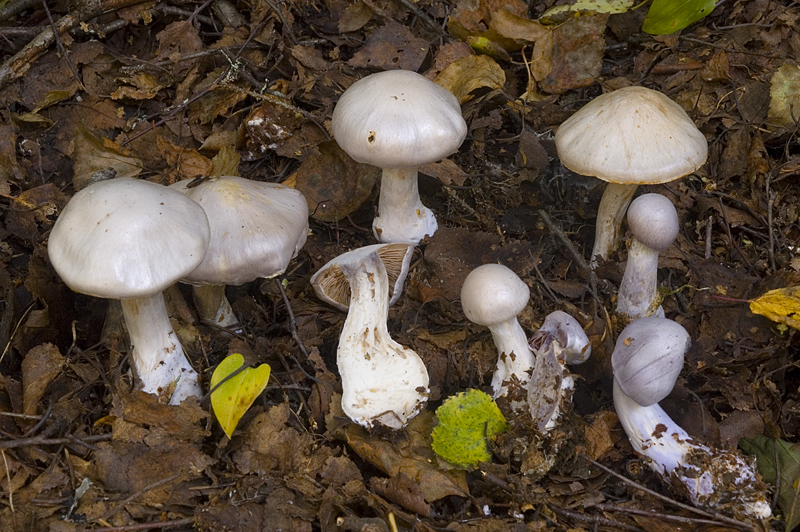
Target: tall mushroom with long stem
<point>630,137</point>
<point>653,222</point>
<point>130,239</point>
<point>382,381</point>
<point>256,229</point>
<point>647,359</point>
<point>399,120</point>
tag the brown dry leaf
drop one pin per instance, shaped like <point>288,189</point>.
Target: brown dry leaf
<point>403,491</point>
<point>411,456</point>
<point>717,68</point>
<point>601,434</point>
<point>391,47</point>
<point>784,95</point>
<point>96,154</point>
<point>354,17</point>
<point>139,416</point>
<point>185,163</point>
<point>577,54</point>
<point>463,76</point>
<point>468,22</point>
<point>41,365</point>
<point>141,86</point>
<point>334,184</point>
<point>225,162</point>
<point>217,103</point>
<point>34,211</point>
<point>519,28</point>
<point>9,166</point>
<point>176,41</point>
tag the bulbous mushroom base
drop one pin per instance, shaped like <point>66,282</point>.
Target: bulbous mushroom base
<point>401,215</point>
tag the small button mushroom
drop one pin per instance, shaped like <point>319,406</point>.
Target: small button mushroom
<point>382,381</point>
<point>256,229</point>
<point>398,121</point>
<point>630,137</point>
<point>645,358</point>
<point>129,239</point>
<point>653,222</point>
<point>492,295</point>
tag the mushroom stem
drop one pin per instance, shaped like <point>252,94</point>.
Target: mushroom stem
<point>382,381</point>
<point>610,214</point>
<point>639,287</point>
<point>709,477</point>
<point>213,306</point>
<point>157,354</point>
<point>401,215</point>
<point>515,356</point>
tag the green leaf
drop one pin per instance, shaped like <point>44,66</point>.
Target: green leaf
<point>788,463</point>
<point>669,16</point>
<point>234,396</point>
<point>466,422</point>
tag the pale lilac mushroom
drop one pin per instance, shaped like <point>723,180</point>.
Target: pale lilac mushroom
<point>647,359</point>
<point>629,137</point>
<point>257,228</point>
<point>399,120</point>
<point>130,239</point>
<point>653,222</point>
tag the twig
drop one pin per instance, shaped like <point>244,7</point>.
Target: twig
<point>594,519</point>
<point>657,515</point>
<point>38,440</point>
<point>60,46</point>
<point>10,485</point>
<point>146,526</point>
<point>133,496</point>
<point>292,324</point>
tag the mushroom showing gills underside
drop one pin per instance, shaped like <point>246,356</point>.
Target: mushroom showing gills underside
<point>646,356</point>
<point>382,381</point>
<point>129,239</point>
<point>559,341</point>
<point>630,137</point>
<point>256,230</point>
<point>653,222</point>
<point>492,295</point>
<point>398,121</point>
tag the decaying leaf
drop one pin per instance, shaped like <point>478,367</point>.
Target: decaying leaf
<point>464,75</point>
<point>225,162</point>
<point>98,154</point>
<point>185,163</point>
<point>781,305</point>
<point>784,95</point>
<point>557,13</point>
<point>41,365</point>
<point>766,450</point>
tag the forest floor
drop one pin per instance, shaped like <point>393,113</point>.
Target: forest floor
<point>163,91</point>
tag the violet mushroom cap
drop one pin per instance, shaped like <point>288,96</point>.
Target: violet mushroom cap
<point>382,381</point>
<point>630,137</point>
<point>492,295</point>
<point>130,239</point>
<point>331,285</point>
<point>399,120</point>
<point>257,228</point>
<point>654,225</point>
<point>644,360</point>
<point>560,340</point>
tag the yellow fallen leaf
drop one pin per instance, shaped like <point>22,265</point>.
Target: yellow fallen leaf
<point>781,305</point>
<point>235,396</point>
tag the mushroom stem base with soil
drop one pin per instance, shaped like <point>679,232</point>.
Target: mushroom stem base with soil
<point>401,215</point>
<point>213,306</point>
<point>712,478</point>
<point>382,381</point>
<point>610,214</point>
<point>639,288</point>
<point>157,354</point>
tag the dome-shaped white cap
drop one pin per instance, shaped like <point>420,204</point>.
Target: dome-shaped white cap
<point>633,136</point>
<point>398,119</point>
<point>127,238</point>
<point>492,294</point>
<point>256,228</point>
<point>653,221</point>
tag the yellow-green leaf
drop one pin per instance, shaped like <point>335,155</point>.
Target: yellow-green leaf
<point>781,305</point>
<point>234,396</point>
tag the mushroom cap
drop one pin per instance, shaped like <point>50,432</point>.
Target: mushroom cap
<point>256,228</point>
<point>653,221</point>
<point>648,357</point>
<point>398,119</point>
<point>331,285</point>
<point>127,238</point>
<point>632,136</point>
<point>492,294</point>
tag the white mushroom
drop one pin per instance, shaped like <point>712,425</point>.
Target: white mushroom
<point>382,381</point>
<point>646,360</point>
<point>399,120</point>
<point>630,137</point>
<point>256,229</point>
<point>492,295</point>
<point>559,341</point>
<point>653,222</point>
<point>129,239</point>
